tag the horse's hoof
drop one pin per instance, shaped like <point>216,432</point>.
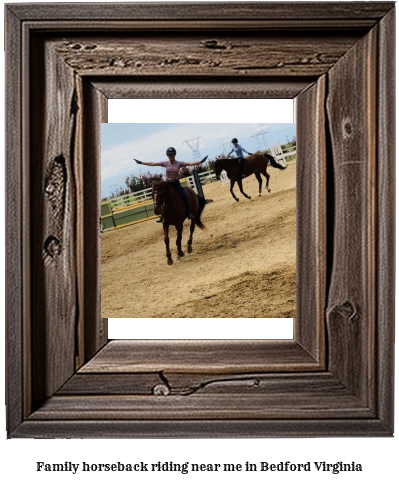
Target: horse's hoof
<point>189,250</point>
<point>181,254</point>
<point>269,190</point>
<point>170,261</point>
<point>249,197</point>
<point>259,195</point>
<point>237,199</point>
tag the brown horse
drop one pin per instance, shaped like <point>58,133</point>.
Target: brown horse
<point>170,205</point>
<point>255,164</point>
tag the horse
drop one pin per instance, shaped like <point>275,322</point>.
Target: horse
<point>170,205</point>
<point>255,164</point>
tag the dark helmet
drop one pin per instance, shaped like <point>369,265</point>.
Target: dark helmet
<point>170,150</point>
<point>234,140</point>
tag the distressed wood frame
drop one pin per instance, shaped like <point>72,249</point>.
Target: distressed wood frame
<point>64,378</point>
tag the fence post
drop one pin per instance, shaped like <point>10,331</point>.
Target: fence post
<point>198,184</point>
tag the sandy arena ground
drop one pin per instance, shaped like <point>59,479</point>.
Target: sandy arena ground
<point>242,265</point>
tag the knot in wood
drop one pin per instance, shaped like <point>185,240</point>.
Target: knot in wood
<point>346,310</point>
<point>161,390</point>
<point>50,188</point>
<point>52,246</point>
<point>347,128</point>
<point>349,310</point>
<point>213,44</point>
<point>90,47</point>
<point>54,188</point>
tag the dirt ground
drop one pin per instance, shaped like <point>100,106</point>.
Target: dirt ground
<point>242,265</point>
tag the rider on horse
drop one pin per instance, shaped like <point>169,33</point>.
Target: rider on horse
<point>239,149</point>
<point>172,173</point>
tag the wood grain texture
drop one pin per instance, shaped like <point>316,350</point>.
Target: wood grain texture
<point>385,224</point>
<point>298,24</point>
<point>64,63</point>
<point>95,112</point>
<point>190,54</point>
<point>176,87</point>
<point>230,397</point>
<point>277,11</point>
<point>200,356</point>
<point>185,384</point>
<point>53,207</point>
<point>250,428</point>
<point>351,308</point>
<point>15,258</point>
<point>311,217</point>
<point>111,384</point>
<point>203,407</point>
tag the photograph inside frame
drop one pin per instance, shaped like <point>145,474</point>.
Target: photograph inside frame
<point>198,220</point>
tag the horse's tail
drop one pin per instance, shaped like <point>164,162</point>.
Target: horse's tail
<point>201,206</point>
<point>274,163</point>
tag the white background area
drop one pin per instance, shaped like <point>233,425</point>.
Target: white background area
<point>201,111</point>
<point>198,111</point>
<point>378,456</point>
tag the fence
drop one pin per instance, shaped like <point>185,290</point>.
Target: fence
<point>130,199</point>
<point>132,208</point>
<point>280,154</point>
<point>290,152</point>
<point>122,202</point>
<point>223,178</point>
<point>207,177</point>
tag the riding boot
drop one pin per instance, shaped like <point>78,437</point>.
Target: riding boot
<point>186,203</point>
<point>183,193</point>
<point>189,216</point>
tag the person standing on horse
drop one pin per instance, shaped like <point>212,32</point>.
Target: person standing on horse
<point>238,150</point>
<point>172,173</point>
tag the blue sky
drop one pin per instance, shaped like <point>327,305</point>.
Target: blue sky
<point>122,142</point>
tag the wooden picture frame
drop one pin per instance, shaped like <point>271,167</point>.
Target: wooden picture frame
<point>335,378</point>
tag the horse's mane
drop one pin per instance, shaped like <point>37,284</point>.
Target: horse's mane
<point>159,183</point>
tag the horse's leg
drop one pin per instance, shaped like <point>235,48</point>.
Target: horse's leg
<point>232,183</point>
<point>179,229</point>
<point>239,181</point>
<point>166,240</point>
<point>257,175</point>
<point>267,176</point>
<point>190,240</point>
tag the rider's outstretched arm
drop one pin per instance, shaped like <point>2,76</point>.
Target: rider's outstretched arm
<point>148,163</point>
<point>196,163</point>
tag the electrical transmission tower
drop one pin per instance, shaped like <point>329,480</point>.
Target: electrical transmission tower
<point>194,146</point>
<point>261,141</point>
<point>225,147</point>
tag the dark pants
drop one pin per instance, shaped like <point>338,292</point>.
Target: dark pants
<point>179,188</point>
<point>241,164</point>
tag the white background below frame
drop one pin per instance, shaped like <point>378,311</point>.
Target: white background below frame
<point>197,111</point>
